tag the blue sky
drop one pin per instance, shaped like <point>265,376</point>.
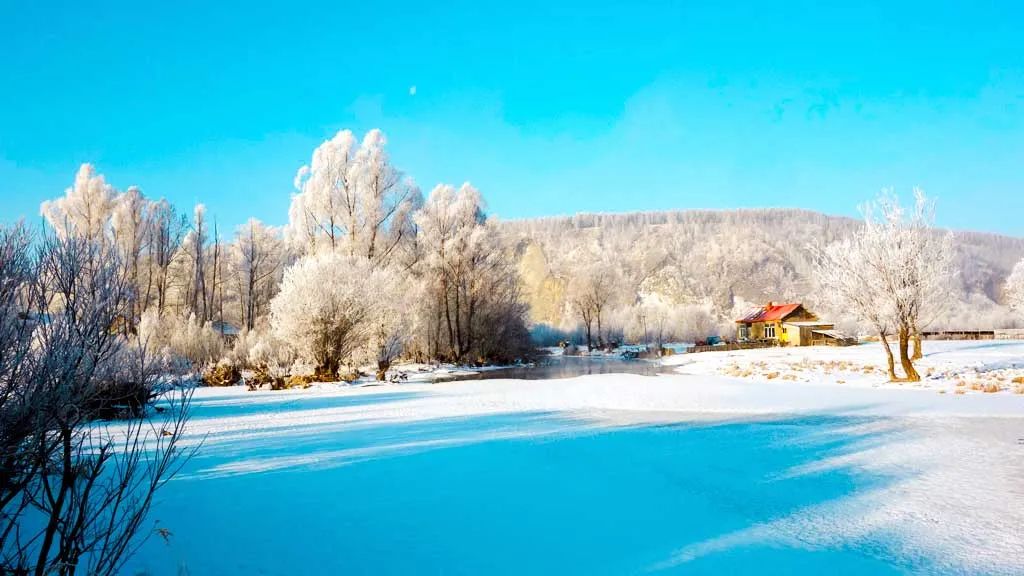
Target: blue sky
<point>548,109</point>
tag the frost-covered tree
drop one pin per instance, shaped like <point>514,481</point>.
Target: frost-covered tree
<point>387,197</point>
<point>594,287</point>
<point>167,233</point>
<point>653,321</point>
<point>389,318</point>
<point>324,210</point>
<point>892,273</point>
<point>847,273</point>
<point>85,209</point>
<point>322,309</point>
<point>473,308</point>
<point>132,222</point>
<point>257,256</point>
<point>1015,287</point>
<point>352,199</point>
<point>196,242</point>
<point>915,270</point>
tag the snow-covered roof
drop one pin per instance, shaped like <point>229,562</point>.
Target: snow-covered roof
<point>830,333</point>
<point>811,324</point>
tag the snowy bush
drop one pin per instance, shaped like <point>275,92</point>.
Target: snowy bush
<point>176,338</point>
<point>322,310</point>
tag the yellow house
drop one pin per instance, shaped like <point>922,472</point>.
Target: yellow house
<point>787,324</point>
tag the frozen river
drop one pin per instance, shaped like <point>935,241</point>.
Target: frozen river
<point>602,474</point>
<point>553,367</point>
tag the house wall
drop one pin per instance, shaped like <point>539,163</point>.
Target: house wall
<point>757,331</point>
<point>794,335</point>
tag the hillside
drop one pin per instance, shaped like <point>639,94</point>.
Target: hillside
<point>728,260</point>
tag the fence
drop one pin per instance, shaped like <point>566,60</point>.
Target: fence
<point>960,335</point>
<point>732,346</point>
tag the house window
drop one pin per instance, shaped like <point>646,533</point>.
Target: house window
<point>769,330</point>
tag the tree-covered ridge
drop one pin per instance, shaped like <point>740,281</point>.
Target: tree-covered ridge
<point>728,260</point>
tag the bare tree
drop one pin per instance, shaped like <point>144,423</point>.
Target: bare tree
<point>64,367</point>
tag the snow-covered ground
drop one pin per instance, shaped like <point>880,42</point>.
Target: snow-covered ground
<point>955,367</point>
<point>695,472</point>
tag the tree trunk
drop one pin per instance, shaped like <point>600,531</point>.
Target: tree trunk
<point>891,362</point>
<point>588,337</point>
<point>909,371</point>
<point>918,353</point>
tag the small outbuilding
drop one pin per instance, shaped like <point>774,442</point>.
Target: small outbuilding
<point>786,325</point>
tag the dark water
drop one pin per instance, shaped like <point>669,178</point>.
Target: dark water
<point>564,367</point>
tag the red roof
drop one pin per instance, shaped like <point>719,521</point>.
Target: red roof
<point>770,313</point>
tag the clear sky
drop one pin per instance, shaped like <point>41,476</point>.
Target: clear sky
<point>547,107</point>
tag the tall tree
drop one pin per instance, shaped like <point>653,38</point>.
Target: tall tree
<point>468,272</point>
<point>352,199</point>
<point>257,258</point>
<point>891,273</point>
<point>85,209</point>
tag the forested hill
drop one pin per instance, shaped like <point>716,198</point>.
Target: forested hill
<point>726,260</point>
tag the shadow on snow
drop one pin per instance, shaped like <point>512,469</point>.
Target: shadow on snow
<point>510,494</point>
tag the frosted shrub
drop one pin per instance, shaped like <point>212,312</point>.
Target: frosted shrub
<point>176,338</point>
<point>322,310</point>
